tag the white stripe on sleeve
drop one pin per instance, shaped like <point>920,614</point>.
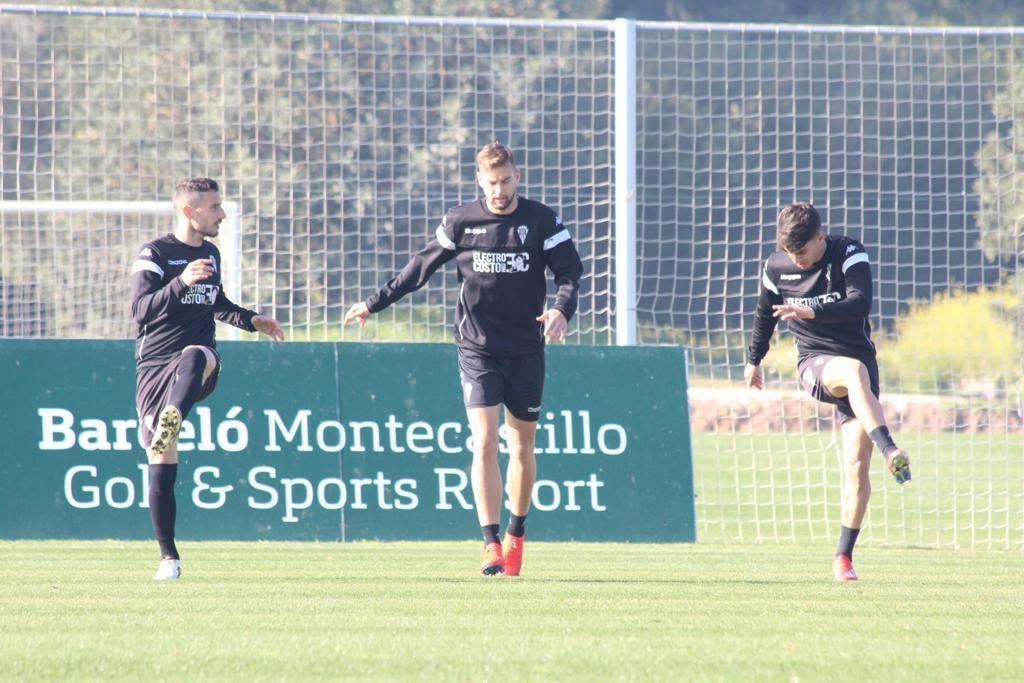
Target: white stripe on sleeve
<point>556,239</point>
<point>769,285</point>
<point>142,264</point>
<point>443,239</point>
<point>854,260</point>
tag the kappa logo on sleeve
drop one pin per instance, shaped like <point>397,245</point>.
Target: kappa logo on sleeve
<point>850,248</point>
<point>146,253</point>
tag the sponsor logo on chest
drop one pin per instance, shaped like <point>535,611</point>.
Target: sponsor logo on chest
<point>500,263</point>
<point>201,294</point>
<point>826,298</point>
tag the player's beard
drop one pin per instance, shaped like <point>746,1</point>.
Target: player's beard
<point>501,202</point>
<point>209,230</point>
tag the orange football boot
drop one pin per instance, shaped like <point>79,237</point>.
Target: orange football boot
<point>513,551</point>
<point>842,569</point>
<point>493,562</point>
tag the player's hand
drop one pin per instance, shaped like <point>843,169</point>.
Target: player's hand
<point>197,271</point>
<point>359,312</point>
<point>791,311</point>
<point>554,324</point>
<point>268,326</point>
<point>752,375</point>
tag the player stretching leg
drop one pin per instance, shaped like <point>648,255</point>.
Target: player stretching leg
<point>176,295</point>
<point>821,285</point>
<point>502,245</point>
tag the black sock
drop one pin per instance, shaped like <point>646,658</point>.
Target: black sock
<point>847,539</point>
<point>516,525</point>
<point>162,507</point>
<point>883,439</point>
<point>188,382</point>
<point>490,533</point>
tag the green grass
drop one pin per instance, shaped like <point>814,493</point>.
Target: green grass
<point>418,611</point>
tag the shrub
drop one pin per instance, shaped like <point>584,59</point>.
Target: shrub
<point>961,341</point>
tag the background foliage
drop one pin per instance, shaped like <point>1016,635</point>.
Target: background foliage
<point>913,147</point>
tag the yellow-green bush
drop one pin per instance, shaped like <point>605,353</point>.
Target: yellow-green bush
<point>781,356</point>
<point>965,341</point>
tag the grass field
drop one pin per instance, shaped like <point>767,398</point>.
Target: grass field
<point>753,600</point>
<point>417,611</point>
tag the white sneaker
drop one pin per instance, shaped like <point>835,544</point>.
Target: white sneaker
<point>168,570</point>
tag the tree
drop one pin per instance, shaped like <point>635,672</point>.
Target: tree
<point>1001,185</point>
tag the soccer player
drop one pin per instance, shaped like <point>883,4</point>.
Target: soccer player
<point>176,294</point>
<point>501,245</point>
<point>821,284</point>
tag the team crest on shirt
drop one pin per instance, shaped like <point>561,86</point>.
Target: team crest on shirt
<point>213,259</point>
<point>522,231</point>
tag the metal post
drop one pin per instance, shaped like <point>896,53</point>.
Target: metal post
<point>625,182</point>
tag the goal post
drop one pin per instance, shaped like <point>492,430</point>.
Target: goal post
<point>625,182</point>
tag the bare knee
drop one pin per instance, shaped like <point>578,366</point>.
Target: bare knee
<point>521,455</point>
<point>485,446</point>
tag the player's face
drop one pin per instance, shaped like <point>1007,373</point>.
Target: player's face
<point>207,213</point>
<point>499,186</point>
<point>809,254</point>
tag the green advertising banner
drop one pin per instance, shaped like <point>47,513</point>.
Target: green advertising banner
<point>340,441</point>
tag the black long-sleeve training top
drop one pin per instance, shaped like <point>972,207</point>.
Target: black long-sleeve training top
<point>168,314</point>
<point>501,261</point>
<point>838,288</point>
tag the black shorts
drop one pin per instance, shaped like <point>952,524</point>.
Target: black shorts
<point>809,371</point>
<point>153,384</point>
<point>515,381</point>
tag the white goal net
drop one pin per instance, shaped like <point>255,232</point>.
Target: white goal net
<point>63,264</point>
<point>908,140</point>
<point>344,139</point>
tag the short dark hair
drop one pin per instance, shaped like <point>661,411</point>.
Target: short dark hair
<point>798,224</point>
<point>494,155</point>
<point>190,185</point>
